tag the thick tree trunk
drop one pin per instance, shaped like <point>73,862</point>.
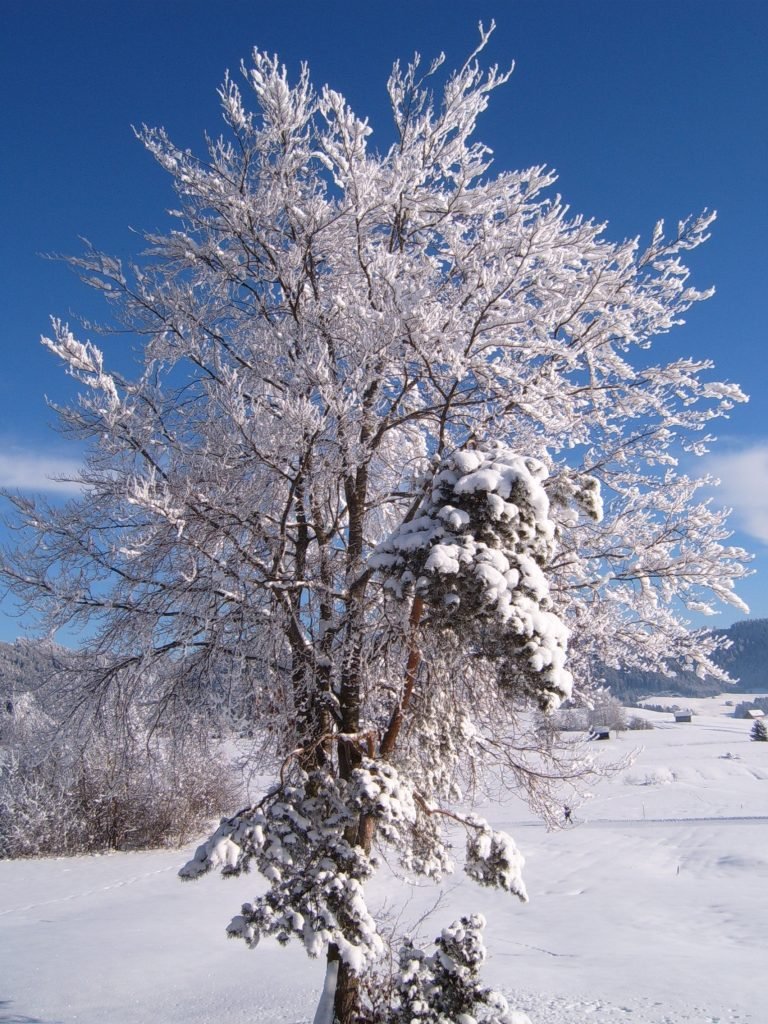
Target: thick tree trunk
<point>346,1003</point>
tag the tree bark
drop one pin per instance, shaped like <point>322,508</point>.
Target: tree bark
<point>411,668</point>
<point>346,1000</point>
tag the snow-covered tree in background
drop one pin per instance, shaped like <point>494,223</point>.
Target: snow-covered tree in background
<point>759,731</point>
<point>78,778</point>
<point>397,467</point>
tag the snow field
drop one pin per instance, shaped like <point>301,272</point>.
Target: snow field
<point>650,910</point>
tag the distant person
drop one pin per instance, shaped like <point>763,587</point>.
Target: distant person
<point>567,812</point>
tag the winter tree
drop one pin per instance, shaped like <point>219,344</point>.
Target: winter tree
<point>100,779</point>
<point>397,466</point>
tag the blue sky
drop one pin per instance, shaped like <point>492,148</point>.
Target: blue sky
<point>646,109</point>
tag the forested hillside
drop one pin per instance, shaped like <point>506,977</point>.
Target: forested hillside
<point>746,660</point>
<point>24,666</point>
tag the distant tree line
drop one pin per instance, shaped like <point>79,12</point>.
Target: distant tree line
<point>606,711</point>
<point>758,704</point>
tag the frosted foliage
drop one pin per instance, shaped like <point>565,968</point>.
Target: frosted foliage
<point>296,838</point>
<point>72,784</point>
<point>324,318</point>
<point>445,735</point>
<point>396,442</point>
<point>477,551</point>
<point>482,534</point>
<point>382,793</point>
<point>444,987</point>
<point>493,860</point>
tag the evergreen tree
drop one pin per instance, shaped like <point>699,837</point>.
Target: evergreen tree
<point>759,731</point>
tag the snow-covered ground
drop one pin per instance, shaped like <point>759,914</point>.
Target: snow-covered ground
<point>651,909</point>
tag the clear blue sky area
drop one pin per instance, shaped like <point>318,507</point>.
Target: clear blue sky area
<point>646,109</point>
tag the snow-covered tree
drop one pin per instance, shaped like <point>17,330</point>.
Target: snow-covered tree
<point>78,778</point>
<point>397,466</point>
<point>445,986</point>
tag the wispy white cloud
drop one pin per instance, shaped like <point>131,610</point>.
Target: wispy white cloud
<point>743,478</point>
<point>34,472</point>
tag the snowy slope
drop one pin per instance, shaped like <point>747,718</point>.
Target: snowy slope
<point>650,910</point>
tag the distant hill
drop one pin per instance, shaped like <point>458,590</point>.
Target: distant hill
<point>746,660</point>
<point>24,665</point>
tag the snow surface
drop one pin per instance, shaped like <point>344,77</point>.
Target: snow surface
<point>651,909</point>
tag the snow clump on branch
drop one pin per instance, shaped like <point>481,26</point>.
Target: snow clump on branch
<point>476,554</point>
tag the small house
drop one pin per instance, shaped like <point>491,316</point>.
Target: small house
<point>600,732</point>
<point>755,713</point>
<point>683,716</point>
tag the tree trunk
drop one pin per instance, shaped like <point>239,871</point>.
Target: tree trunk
<point>346,1003</point>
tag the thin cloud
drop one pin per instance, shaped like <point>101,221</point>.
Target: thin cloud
<point>30,471</point>
<point>743,479</point>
